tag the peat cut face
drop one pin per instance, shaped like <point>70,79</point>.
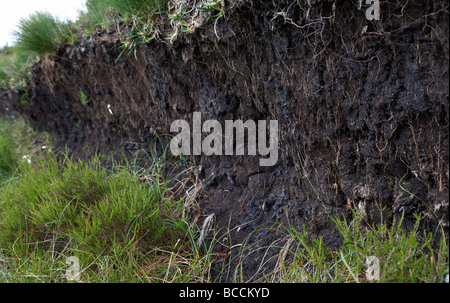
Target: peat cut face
<point>362,108</point>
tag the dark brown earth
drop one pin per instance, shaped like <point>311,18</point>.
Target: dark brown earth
<point>362,105</point>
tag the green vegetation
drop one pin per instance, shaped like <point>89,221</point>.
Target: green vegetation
<point>8,159</point>
<point>383,253</point>
<point>41,33</point>
<point>131,222</point>
<point>17,142</point>
<point>106,13</point>
<point>124,223</point>
<point>83,98</point>
<point>131,10</point>
<point>15,66</point>
<point>402,257</point>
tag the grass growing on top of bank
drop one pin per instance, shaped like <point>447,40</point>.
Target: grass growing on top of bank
<point>106,13</point>
<point>138,9</point>
<point>17,142</point>
<point>39,35</point>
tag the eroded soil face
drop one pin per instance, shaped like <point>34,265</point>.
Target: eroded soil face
<point>361,105</point>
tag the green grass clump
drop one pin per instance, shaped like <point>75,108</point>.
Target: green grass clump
<point>83,98</point>
<point>17,142</point>
<point>106,13</point>
<point>130,223</point>
<point>8,160</point>
<point>41,33</point>
<point>123,225</point>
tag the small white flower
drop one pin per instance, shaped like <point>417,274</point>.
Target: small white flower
<point>44,147</point>
<point>110,111</point>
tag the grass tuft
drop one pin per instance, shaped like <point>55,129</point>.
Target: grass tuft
<point>15,66</point>
<point>131,223</point>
